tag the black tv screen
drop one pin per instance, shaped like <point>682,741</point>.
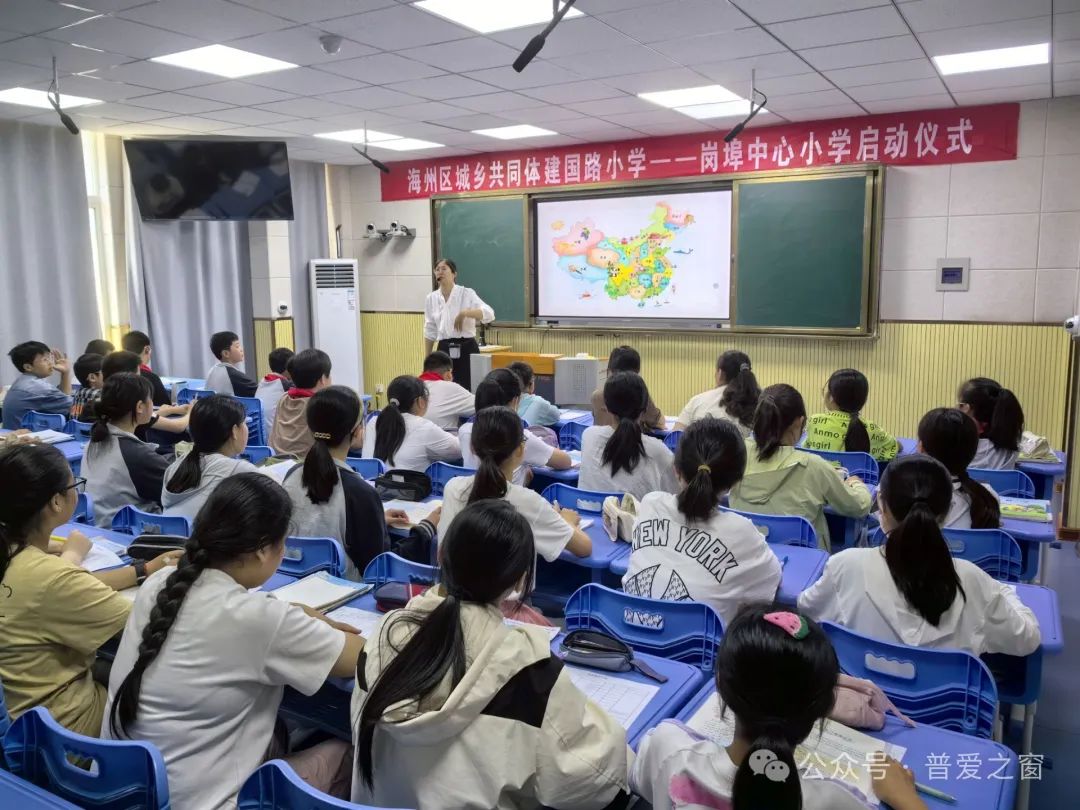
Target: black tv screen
<point>215,180</point>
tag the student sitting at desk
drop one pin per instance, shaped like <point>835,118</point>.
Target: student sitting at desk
<point>121,469</point>
<point>448,402</point>
<point>534,409</point>
<point>776,672</point>
<point>452,708</point>
<point>32,391</point>
<point>783,480</point>
<point>273,386</point>
<point>310,372</point>
<point>1000,420</point>
<point>952,438</point>
<point>139,343</point>
<point>503,387</point>
<point>735,397</point>
<point>841,428</point>
<point>727,563</point>
<point>88,373</point>
<point>203,663</point>
<point>621,458</point>
<point>625,358</point>
<point>219,433</point>
<point>123,362</point>
<point>225,376</point>
<point>911,590</point>
<point>401,437</point>
<point>330,499</point>
<point>99,346</point>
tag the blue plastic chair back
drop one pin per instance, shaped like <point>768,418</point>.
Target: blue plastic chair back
<point>306,555</point>
<point>84,510</point>
<point>36,420</point>
<point>389,567</point>
<point>1007,483</point>
<point>254,409</point>
<point>80,431</point>
<point>580,500</point>
<point>788,530</point>
<point>570,435</point>
<point>255,453</point>
<point>671,440</point>
<point>134,521</point>
<point>186,395</point>
<point>440,473</point>
<point>121,774</point>
<point>5,718</point>
<point>369,468</point>
<point>950,689</point>
<point>275,786</point>
<point>993,550</point>
<point>863,465</point>
<point>681,631</point>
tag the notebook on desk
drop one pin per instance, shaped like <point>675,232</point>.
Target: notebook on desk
<point>321,591</point>
<point>1030,509</point>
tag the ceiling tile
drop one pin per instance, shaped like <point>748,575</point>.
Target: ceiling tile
<point>655,116</point>
<point>657,80</point>
<point>1002,94</point>
<point>984,37</point>
<point>468,123</point>
<point>127,112</point>
<point>836,29</point>
<point>908,89</point>
<point>736,72</point>
<point>824,113</point>
<point>248,116</point>
<point>475,53</point>
<point>613,106</point>
<point>393,29</point>
<point>315,10</point>
<point>238,92</point>
<point>34,16</point>
<point>356,119</point>
<point>254,132</point>
<point>880,74</point>
<point>176,103</point>
<point>156,76</point>
<point>69,59</point>
<point>443,87</point>
<point>303,108</point>
<point>872,52</point>
<point>300,46</point>
<point>679,128</point>
<point>371,98</point>
<point>539,72</point>
<point>305,127</point>
<point>496,102</point>
<point>149,130</point>
<point>787,85</point>
<point>90,87</point>
<point>1067,51</point>
<point>677,18</point>
<point>932,102</point>
<point>305,81</point>
<point>1066,26</point>
<point>549,116</point>
<point>596,129</point>
<point>732,45</point>
<point>1007,77</point>
<point>5,36</point>
<point>802,101</point>
<point>426,111</point>
<point>14,74</point>
<point>212,20</point>
<point>109,6</point>
<point>1067,72</point>
<point>575,35</point>
<point>382,68</point>
<point>573,91</point>
<point>595,7</point>
<point>601,64</point>
<point>934,15</point>
<point>191,123</point>
<point>770,11</point>
<point>132,39</point>
<point>1068,88</point>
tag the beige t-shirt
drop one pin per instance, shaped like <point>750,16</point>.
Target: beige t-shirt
<point>53,618</point>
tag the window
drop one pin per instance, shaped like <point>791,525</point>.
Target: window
<point>101,235</point>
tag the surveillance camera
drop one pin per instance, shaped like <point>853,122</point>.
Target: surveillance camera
<point>282,309</point>
<point>394,225</point>
<point>1072,326</point>
<point>370,229</point>
<point>331,43</point>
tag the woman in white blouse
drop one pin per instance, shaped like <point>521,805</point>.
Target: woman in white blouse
<point>450,316</point>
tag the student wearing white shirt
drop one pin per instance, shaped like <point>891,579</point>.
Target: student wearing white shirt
<point>776,672</point>
<point>911,590</point>
<point>498,441</point>
<point>952,438</point>
<point>450,316</point>
<point>203,661</point>
<point>1000,420</point>
<point>502,387</point>
<point>448,402</point>
<point>623,459</point>
<point>735,397</point>
<point>401,437</point>
<point>684,548</point>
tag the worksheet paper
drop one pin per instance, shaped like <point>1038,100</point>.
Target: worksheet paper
<point>622,698</point>
<point>366,621</point>
<point>570,414</point>
<point>839,752</point>
<point>416,510</point>
<point>103,554</point>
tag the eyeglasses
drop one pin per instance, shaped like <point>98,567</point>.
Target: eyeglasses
<point>79,486</point>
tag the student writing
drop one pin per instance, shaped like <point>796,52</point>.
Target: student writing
<point>452,708</point>
<point>1000,419</point>
<point>840,428</point>
<point>734,398</point>
<point>534,409</point>
<point>310,372</point>
<point>273,386</point>
<point>448,402</point>
<point>401,436</point>
<point>32,391</point>
<point>225,376</point>
<point>951,436</point>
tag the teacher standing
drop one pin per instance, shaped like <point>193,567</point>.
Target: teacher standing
<point>450,316</point>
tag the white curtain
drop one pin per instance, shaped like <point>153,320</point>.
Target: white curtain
<point>307,240</point>
<point>47,289</point>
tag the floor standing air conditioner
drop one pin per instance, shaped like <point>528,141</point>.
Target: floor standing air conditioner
<point>335,318</point>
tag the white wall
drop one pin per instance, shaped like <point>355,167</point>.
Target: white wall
<point>1018,221</point>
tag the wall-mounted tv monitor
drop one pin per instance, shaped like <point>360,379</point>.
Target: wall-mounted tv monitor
<point>210,180</point>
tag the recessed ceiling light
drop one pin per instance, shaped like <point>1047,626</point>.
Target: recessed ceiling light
<point>221,60</point>
<point>690,96</point>
<point>486,16</point>
<point>39,98</point>
<point>517,131</point>
<point>357,136</point>
<point>994,59</point>
<point>725,109</point>
<point>406,144</point>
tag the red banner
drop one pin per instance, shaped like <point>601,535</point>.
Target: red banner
<point>959,135</point>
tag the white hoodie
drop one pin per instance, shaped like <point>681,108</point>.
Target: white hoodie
<point>514,733</point>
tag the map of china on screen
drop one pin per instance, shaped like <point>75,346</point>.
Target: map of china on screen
<point>644,256</point>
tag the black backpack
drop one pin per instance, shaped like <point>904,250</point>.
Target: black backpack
<point>405,485</point>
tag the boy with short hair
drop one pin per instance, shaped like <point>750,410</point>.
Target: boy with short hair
<point>32,391</point>
<point>88,373</point>
<point>447,401</point>
<point>123,362</point>
<point>625,358</point>
<point>139,343</point>
<point>273,386</point>
<point>310,371</point>
<point>226,377</point>
<point>99,346</point>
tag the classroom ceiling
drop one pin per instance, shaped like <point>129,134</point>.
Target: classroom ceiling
<point>405,71</point>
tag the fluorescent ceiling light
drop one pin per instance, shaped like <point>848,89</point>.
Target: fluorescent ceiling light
<point>406,144</point>
<point>487,16</point>
<point>691,96</point>
<point>517,131</point>
<point>39,98</point>
<point>221,60</point>
<point>357,136</point>
<point>993,59</point>
<point>726,109</point>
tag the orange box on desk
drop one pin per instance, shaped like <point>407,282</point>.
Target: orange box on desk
<point>543,364</point>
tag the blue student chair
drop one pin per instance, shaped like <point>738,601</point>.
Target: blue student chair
<point>307,555</point>
<point>91,773</point>
<point>5,719</point>
<point>84,510</point>
<point>863,465</point>
<point>275,786</point>
<point>993,550</point>
<point>130,520</point>
<point>256,453</point>
<point>580,500</point>
<point>671,440</point>
<point>788,530</point>
<point>389,567</point>
<point>80,431</point>
<point>186,395</point>
<point>256,433</point>
<point>950,689</point>
<point>570,435</point>
<point>441,473</point>
<point>681,631</point>
<point>369,468</point>
<point>36,420</point>
<point>1007,483</point>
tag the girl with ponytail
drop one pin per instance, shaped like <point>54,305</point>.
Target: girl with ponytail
<point>331,500</point>
<point>911,590</point>
<point>734,398</point>
<point>776,672</point>
<point>950,436</point>
<point>710,459</point>
<point>452,708</point>
<point>780,479</point>
<point>1000,420</point>
<point>218,426</point>
<point>623,458</point>
<point>203,662</point>
<point>121,469</point>
<point>841,428</point>
<point>401,437</point>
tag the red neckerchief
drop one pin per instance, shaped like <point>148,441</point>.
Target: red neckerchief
<point>300,393</point>
<point>430,376</point>
<point>145,369</point>
<point>271,377</point>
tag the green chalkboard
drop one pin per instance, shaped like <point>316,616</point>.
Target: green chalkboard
<point>485,236</point>
<point>802,254</point>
